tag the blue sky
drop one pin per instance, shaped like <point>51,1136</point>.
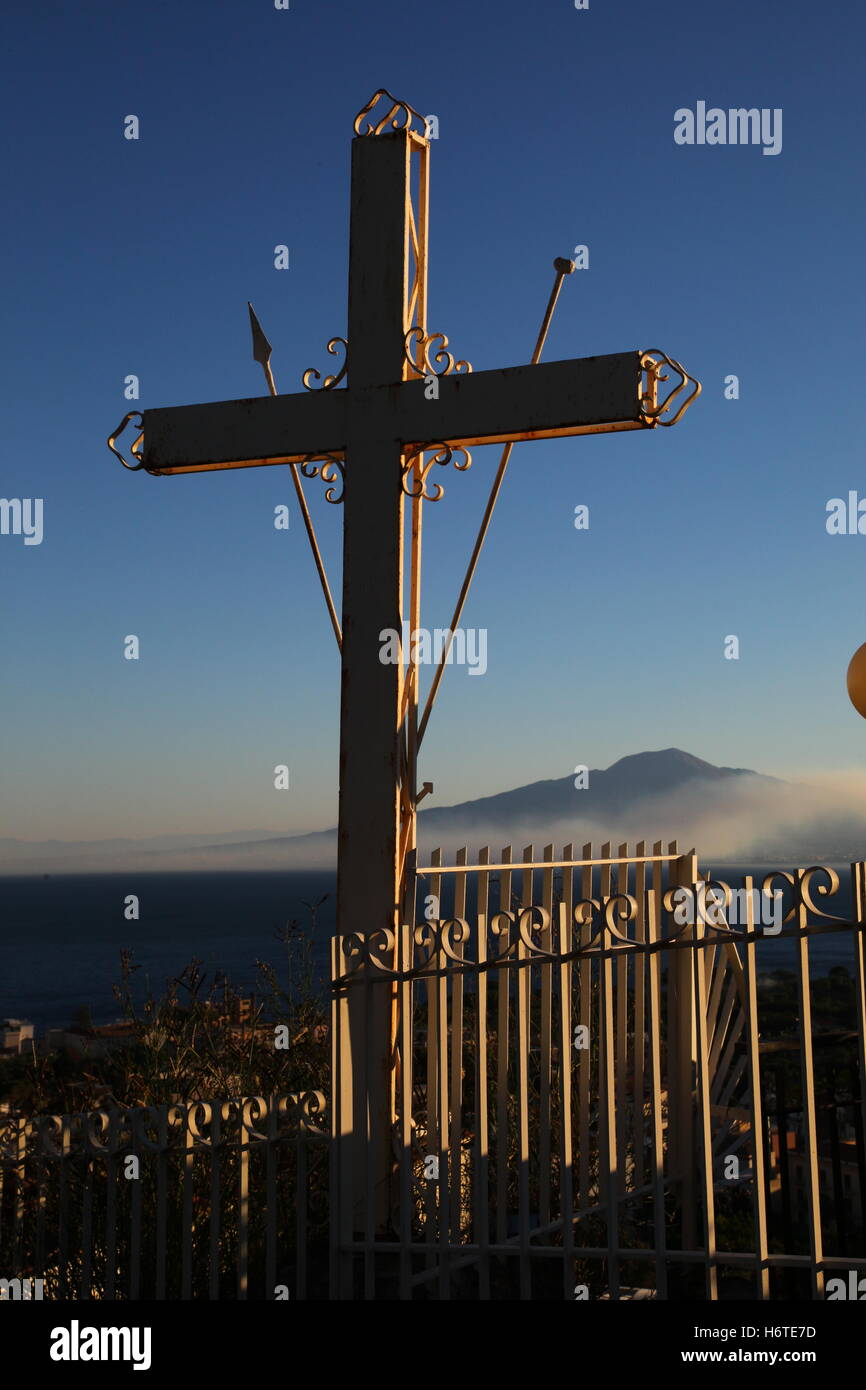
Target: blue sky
<point>556,129</point>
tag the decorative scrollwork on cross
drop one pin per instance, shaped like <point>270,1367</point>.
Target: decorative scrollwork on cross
<point>398,117</point>
<point>443,455</point>
<point>329,468</point>
<point>330,381</point>
<point>424,361</point>
<point>652,360</point>
<point>135,446</point>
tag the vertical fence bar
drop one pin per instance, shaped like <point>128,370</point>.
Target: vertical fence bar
<point>562,927</point>
<point>215,1200</point>
<point>342,1111</point>
<point>695,950</point>
<point>270,1214</point>
<point>455,1167</point>
<point>18,1183</point>
<point>608,1156</point>
<point>372,1077</point>
<point>503,1009</point>
<point>139,1147</point>
<point>161,1213</point>
<point>187,1181</point>
<point>4,1184</point>
<point>243,1201</point>
<point>432,1196</point>
<point>335,1203</point>
<point>622,1000</point>
<point>836,1165</point>
<point>406,1079</point>
<point>681,1041</point>
<point>111,1180</point>
<point>605,1098</point>
<point>482,1138</point>
<point>443,1147</point>
<point>435,886</point>
<point>858,891</point>
<point>525,981</point>
<point>301,1185</point>
<point>784,1163</point>
<point>654,1047</point>
<point>568,1074</point>
<point>719,978</point>
<point>860,1144</point>
<point>605,873</point>
<point>86,1279</point>
<point>545,1117</point>
<point>33,1131</point>
<point>584,1056</point>
<point>522,1100</point>
<point>63,1185</point>
<point>526,877</point>
<point>810,1134</point>
<point>639,975</point>
<point>756,1109</point>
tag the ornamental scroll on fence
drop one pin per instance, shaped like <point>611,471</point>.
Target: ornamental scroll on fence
<point>580,1097</point>
<point>224,1199</point>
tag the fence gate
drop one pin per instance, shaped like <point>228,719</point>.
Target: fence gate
<point>582,1100</point>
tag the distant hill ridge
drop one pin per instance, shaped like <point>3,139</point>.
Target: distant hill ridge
<point>611,790</point>
<point>619,790</point>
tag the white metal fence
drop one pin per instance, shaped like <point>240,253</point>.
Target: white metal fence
<point>212,1199</point>
<point>559,1085</point>
<point>578,1102</point>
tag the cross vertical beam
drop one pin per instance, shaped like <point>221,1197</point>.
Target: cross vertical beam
<point>370,691</point>
<point>373,759</point>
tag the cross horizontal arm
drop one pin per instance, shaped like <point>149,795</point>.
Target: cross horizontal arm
<point>244,434</point>
<point>582,396</point>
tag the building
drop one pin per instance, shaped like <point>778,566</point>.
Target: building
<point>15,1033</point>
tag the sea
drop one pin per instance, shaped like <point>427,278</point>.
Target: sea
<point>61,936</point>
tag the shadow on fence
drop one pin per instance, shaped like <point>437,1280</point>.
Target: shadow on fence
<point>221,1200</point>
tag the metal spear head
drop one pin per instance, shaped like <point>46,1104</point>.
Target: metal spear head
<point>261,347</point>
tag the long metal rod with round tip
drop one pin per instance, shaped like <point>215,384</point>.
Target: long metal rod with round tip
<point>563,267</point>
<point>262,354</point>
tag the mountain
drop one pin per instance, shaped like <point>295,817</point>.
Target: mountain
<point>663,794</point>
<point>616,790</point>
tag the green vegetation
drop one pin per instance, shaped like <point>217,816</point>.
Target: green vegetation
<point>197,1041</point>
